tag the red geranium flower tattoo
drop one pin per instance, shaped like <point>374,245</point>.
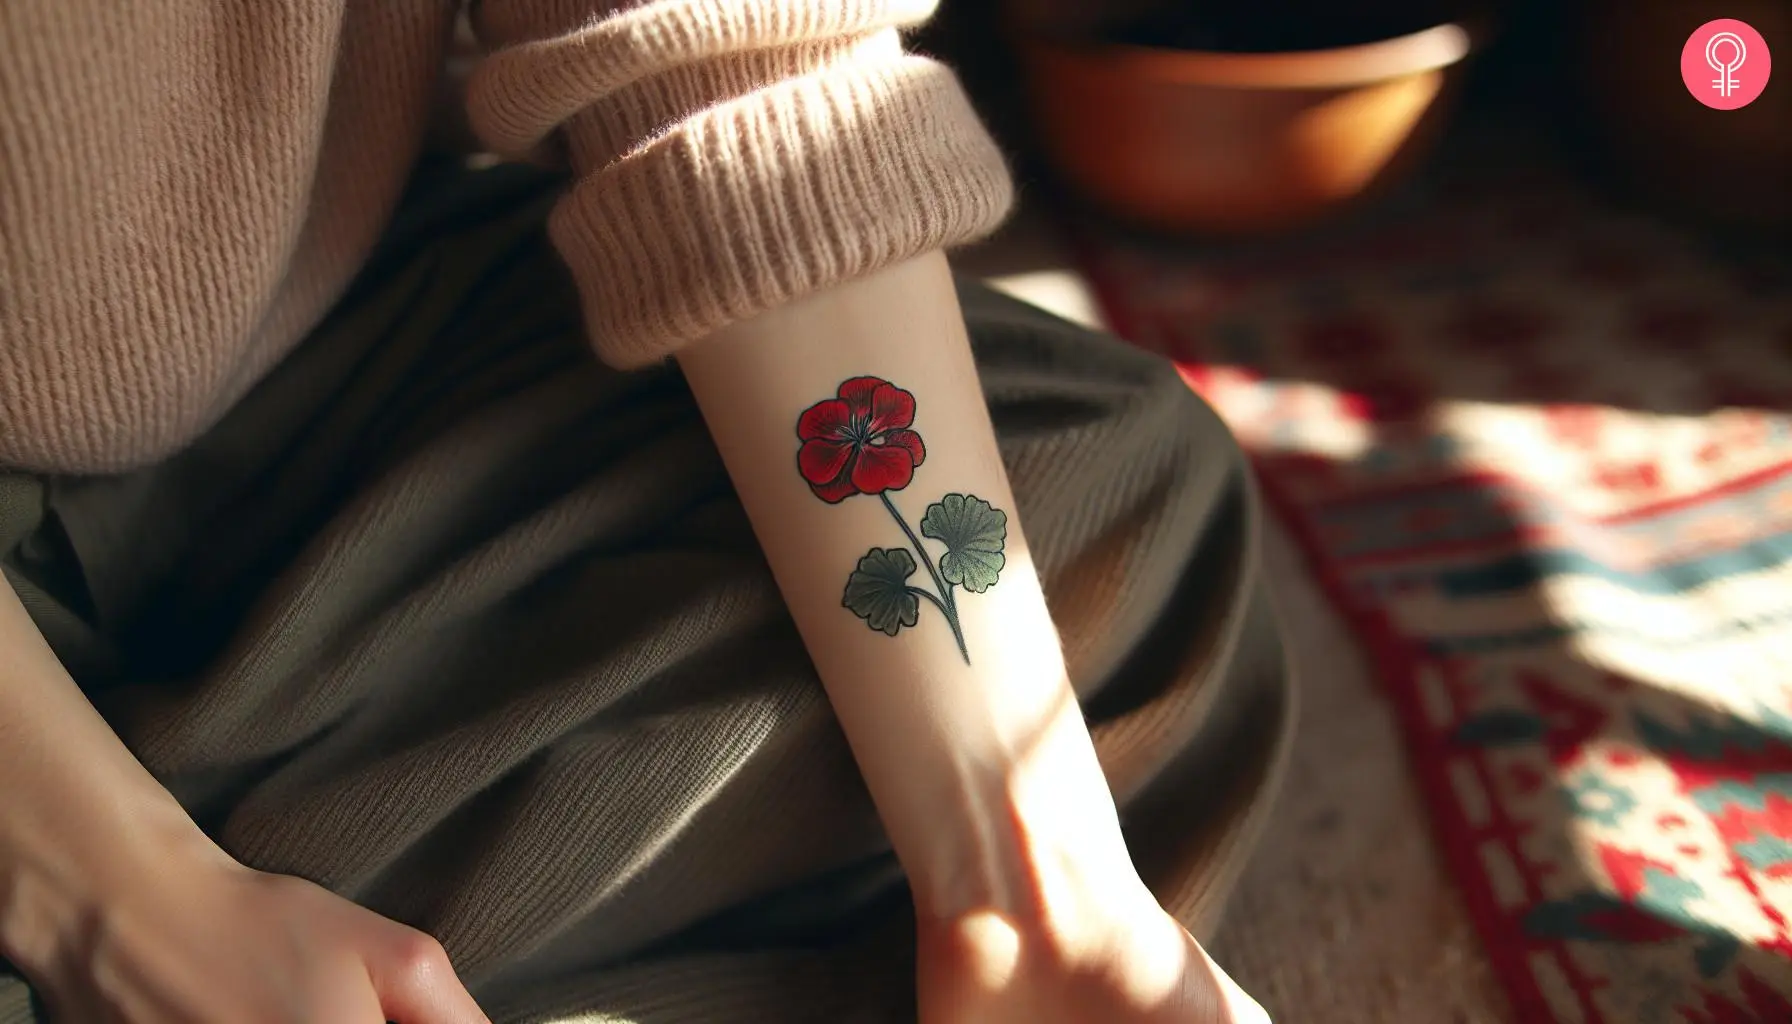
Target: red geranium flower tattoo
<point>859,442</point>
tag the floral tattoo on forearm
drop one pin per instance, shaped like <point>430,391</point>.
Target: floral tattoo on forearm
<point>860,442</point>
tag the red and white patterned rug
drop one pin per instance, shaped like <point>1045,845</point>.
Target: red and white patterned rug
<point>1539,450</point>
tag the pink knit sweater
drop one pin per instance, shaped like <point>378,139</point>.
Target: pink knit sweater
<point>187,185</point>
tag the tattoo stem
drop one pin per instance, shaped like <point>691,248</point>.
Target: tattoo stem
<point>944,601</point>
<point>928,594</point>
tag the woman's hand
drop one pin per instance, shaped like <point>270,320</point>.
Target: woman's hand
<point>1137,966</point>
<point>203,940</point>
<point>119,909</point>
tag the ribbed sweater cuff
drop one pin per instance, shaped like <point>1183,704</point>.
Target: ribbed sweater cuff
<point>727,178</point>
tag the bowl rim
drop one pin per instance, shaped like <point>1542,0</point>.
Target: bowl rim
<point>1429,49</point>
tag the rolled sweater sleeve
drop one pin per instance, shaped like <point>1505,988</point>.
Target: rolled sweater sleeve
<point>732,155</point>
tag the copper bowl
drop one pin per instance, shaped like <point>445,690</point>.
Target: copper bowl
<point>1239,143</point>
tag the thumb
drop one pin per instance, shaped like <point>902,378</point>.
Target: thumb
<point>416,984</point>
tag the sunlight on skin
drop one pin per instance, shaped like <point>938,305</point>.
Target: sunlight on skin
<point>994,970</point>
<point>994,949</point>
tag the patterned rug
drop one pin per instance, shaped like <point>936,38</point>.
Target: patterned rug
<point>1539,450</point>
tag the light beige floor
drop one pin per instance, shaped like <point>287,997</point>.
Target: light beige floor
<point>1347,915</point>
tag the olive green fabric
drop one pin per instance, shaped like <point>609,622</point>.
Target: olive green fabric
<point>450,619</point>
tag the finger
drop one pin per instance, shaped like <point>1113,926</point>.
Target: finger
<point>416,984</point>
<point>1239,1007</point>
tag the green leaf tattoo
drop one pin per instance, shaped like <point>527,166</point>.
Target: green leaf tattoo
<point>862,441</point>
<point>878,591</point>
<point>973,531</point>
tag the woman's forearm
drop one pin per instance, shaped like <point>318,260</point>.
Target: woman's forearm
<point>912,584</point>
<point>78,809</point>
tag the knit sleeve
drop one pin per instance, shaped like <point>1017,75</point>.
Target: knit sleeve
<point>732,155</point>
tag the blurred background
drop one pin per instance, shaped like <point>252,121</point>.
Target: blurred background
<point>1166,112</point>
<point>1503,315</point>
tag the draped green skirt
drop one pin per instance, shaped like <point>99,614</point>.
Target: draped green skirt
<point>449,618</point>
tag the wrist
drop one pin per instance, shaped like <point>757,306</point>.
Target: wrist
<point>1042,847</point>
<point>61,873</point>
